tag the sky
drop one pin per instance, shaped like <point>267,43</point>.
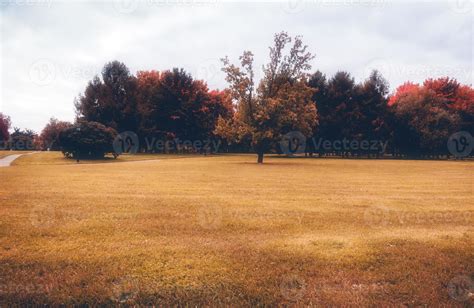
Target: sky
<point>51,49</point>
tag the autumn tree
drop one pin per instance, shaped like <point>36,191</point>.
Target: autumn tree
<point>349,111</point>
<point>174,105</point>
<point>5,125</point>
<point>112,100</point>
<point>334,99</point>
<point>178,99</point>
<point>216,104</point>
<point>464,103</point>
<point>49,137</point>
<point>456,97</point>
<point>148,98</point>
<point>318,82</point>
<point>279,104</point>
<point>424,116</point>
<point>423,124</point>
<point>445,88</point>
<point>22,139</point>
<point>87,140</point>
<point>404,90</point>
<point>341,100</point>
<point>370,117</point>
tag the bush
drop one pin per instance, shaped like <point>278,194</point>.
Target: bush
<point>22,140</point>
<point>49,137</point>
<point>87,140</point>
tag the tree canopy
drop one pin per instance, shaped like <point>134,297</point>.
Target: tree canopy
<point>87,140</point>
<point>288,104</point>
<point>280,104</point>
<point>5,124</point>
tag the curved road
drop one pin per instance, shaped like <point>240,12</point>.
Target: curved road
<point>6,161</point>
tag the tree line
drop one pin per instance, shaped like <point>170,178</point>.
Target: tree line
<point>251,115</point>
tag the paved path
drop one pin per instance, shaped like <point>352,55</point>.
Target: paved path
<point>6,161</point>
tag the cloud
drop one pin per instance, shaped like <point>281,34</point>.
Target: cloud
<point>49,50</point>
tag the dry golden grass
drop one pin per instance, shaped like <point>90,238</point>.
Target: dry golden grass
<point>226,231</point>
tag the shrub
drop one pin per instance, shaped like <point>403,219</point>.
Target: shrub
<point>49,137</point>
<point>87,140</point>
<point>23,140</point>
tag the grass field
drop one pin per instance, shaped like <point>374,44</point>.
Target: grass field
<point>225,231</point>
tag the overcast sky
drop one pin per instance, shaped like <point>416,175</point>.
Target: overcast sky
<point>50,49</point>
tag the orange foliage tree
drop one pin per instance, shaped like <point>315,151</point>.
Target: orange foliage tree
<point>426,115</point>
<point>281,103</point>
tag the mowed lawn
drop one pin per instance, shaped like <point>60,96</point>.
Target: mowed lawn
<point>223,230</point>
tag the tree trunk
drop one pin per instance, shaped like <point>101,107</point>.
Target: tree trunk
<point>260,157</point>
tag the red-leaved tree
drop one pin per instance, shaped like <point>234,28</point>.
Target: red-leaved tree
<point>5,125</point>
<point>49,137</point>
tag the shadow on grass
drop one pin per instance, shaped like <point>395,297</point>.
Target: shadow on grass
<point>395,273</point>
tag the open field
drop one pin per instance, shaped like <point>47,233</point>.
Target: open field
<point>226,231</point>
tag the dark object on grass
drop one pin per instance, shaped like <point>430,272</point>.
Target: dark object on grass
<point>90,140</point>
